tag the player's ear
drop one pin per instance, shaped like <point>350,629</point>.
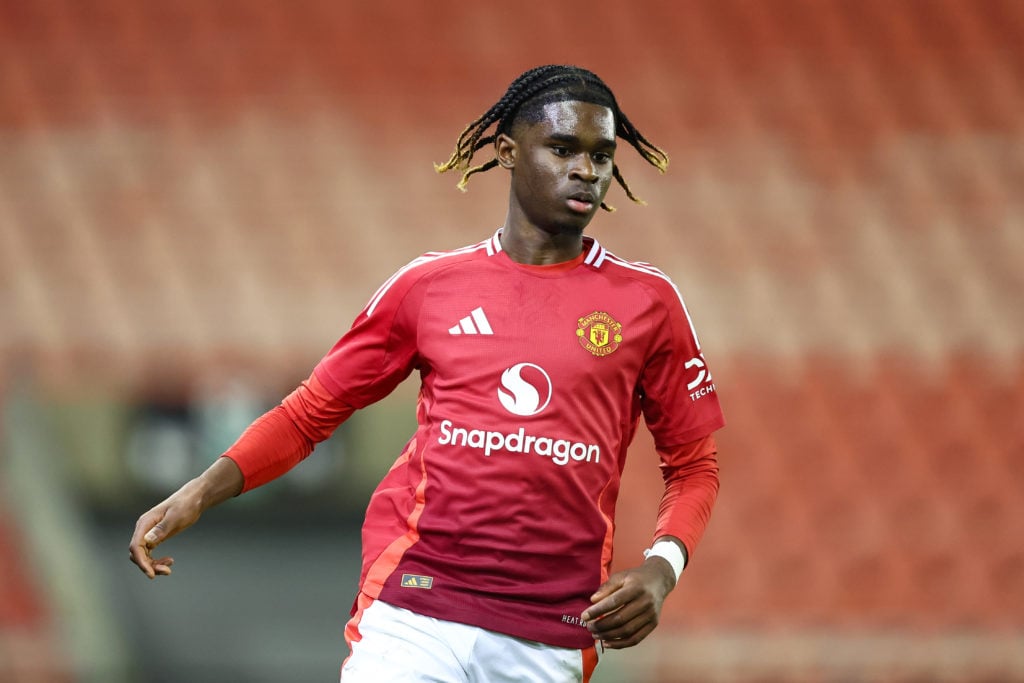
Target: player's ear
<point>505,150</point>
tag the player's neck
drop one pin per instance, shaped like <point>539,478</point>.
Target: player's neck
<point>538,247</point>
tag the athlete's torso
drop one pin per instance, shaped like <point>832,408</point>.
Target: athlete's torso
<point>500,511</point>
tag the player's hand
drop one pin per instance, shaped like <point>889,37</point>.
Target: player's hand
<point>626,608</point>
<point>221,480</point>
<point>180,511</point>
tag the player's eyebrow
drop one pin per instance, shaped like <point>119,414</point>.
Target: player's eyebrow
<point>575,140</point>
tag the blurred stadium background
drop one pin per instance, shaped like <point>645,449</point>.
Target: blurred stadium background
<point>197,197</point>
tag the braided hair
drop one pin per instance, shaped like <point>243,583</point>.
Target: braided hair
<point>525,100</point>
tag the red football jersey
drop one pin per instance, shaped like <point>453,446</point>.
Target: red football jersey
<point>499,513</point>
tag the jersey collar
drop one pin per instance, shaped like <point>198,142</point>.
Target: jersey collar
<point>593,252</point>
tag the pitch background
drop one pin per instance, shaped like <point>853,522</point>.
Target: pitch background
<point>196,198</point>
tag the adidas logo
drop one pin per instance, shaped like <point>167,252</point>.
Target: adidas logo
<point>417,581</point>
<point>474,323</point>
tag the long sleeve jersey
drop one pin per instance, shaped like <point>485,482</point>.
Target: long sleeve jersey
<point>500,510</point>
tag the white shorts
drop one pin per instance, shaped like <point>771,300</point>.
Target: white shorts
<point>392,644</point>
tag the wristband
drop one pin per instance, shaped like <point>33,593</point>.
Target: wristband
<point>670,552</point>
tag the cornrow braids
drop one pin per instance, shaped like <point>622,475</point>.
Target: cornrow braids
<point>525,100</point>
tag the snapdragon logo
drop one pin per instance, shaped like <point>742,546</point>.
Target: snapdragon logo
<point>525,389</point>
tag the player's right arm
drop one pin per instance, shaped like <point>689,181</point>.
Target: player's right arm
<point>269,447</point>
<point>221,480</point>
<point>364,366</point>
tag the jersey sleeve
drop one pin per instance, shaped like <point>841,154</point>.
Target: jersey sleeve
<point>678,395</point>
<point>285,435</point>
<point>380,349</point>
<point>690,472</point>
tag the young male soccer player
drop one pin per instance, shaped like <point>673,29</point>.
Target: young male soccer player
<point>487,546</point>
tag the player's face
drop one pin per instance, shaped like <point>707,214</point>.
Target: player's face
<point>561,166</point>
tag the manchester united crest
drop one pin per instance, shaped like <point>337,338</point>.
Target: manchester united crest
<point>599,333</point>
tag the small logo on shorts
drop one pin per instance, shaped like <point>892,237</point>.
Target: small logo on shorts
<point>417,581</point>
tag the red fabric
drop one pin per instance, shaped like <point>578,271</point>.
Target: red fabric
<point>690,472</point>
<point>286,434</point>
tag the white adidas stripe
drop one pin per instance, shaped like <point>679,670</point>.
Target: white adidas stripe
<point>474,323</point>
<point>482,323</point>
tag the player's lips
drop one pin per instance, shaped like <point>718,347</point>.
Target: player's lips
<point>582,202</point>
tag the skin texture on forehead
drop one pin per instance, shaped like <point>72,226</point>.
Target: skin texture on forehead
<point>566,117</point>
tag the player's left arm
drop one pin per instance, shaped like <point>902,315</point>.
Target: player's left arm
<point>627,607</point>
<point>681,410</point>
